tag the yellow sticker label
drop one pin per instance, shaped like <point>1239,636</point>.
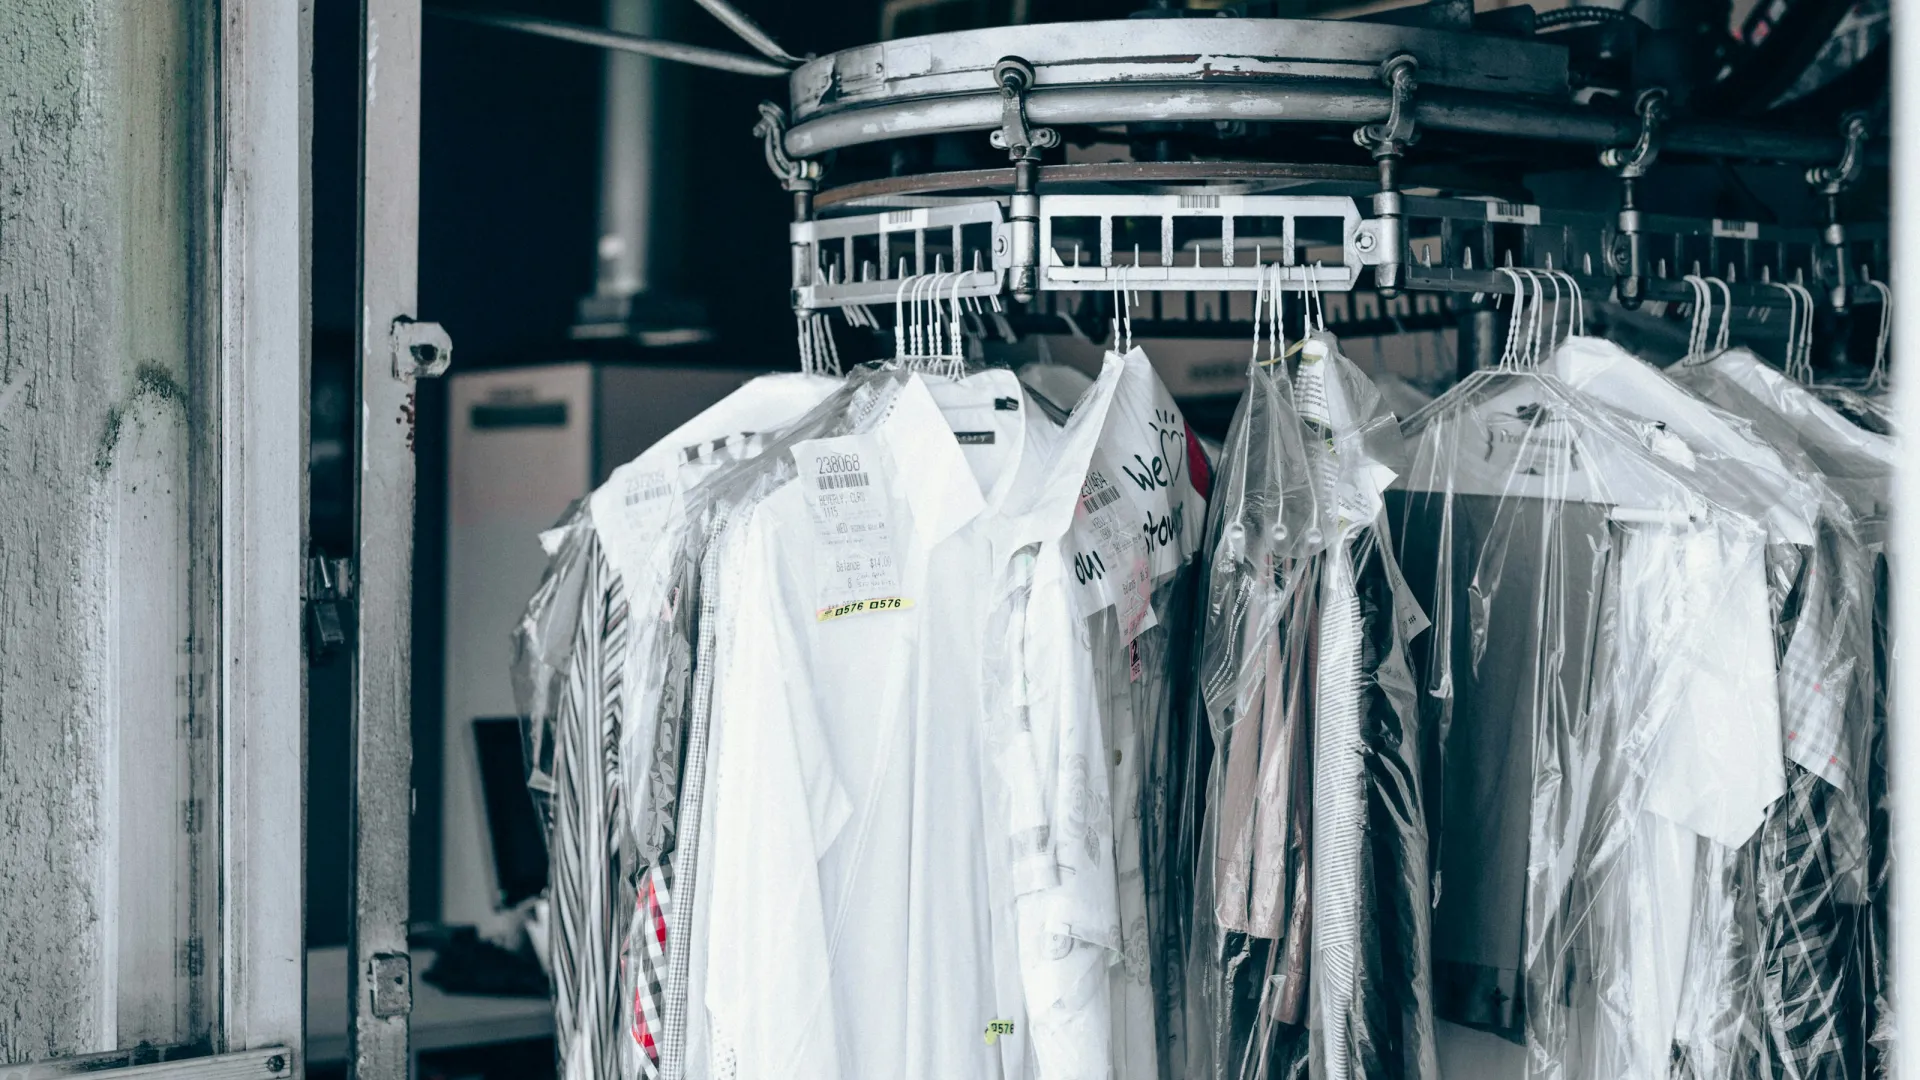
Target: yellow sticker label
<point>861,607</point>
<point>997,1028</point>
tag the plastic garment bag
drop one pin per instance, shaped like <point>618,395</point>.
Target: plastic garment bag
<point>944,899</point>
<point>1599,620</point>
<point>1311,900</point>
<point>1262,525</point>
<point>1371,1009</point>
<point>1856,463</point>
<point>718,568</point>
<point>1868,403</point>
<point>588,724</point>
<point>1731,990</point>
<point>624,682</point>
<point>1136,531</point>
<point>1817,868</point>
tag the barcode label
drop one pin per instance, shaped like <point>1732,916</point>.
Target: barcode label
<point>830,481</point>
<point>1106,496</point>
<point>647,488</point>
<point>1199,202</point>
<point>1736,230</point>
<point>1513,213</point>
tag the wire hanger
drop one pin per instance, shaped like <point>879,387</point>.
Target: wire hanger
<point>1803,346</point>
<point>1793,325</point>
<point>1509,358</point>
<point>1265,297</point>
<point>1315,305</point>
<point>1122,311</point>
<point>1577,305</point>
<point>1277,348</point>
<point>1541,279</point>
<point>1697,329</point>
<point>900,323</point>
<point>1798,364</point>
<point>957,358</point>
<point>1877,378</point>
<point>1721,338</point>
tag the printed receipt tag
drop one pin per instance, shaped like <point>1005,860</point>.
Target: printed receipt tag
<point>855,568</point>
<point>1118,561</point>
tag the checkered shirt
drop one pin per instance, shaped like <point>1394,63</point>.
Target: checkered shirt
<point>650,965</point>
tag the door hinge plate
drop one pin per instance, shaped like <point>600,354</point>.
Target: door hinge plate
<point>392,981</point>
<point>421,350</point>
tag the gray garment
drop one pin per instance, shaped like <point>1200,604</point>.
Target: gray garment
<point>1149,681</point>
<point>1263,756</point>
<point>1481,571</point>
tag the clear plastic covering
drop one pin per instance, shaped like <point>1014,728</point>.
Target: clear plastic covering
<point>1636,876</point>
<point>1538,733</point>
<point>941,832</point>
<point>1134,543</point>
<point>1309,937</point>
<point>601,658</point>
<point>1812,919</point>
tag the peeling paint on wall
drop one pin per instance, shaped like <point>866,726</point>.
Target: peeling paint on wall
<point>94,338</point>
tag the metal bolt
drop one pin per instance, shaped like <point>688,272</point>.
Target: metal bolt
<point>1364,241</point>
<point>1621,252</point>
<point>276,1064</point>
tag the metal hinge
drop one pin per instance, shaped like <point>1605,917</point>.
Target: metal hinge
<point>421,350</point>
<point>392,982</point>
<point>329,583</point>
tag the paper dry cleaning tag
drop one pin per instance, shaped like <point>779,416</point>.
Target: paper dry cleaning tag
<point>1113,558</point>
<point>642,499</point>
<point>855,567</point>
<point>1310,385</point>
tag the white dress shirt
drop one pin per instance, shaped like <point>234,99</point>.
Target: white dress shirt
<point>859,924</point>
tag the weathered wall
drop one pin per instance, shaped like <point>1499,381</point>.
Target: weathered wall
<point>94,339</point>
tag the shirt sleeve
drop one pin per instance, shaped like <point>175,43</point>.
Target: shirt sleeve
<point>1718,764</point>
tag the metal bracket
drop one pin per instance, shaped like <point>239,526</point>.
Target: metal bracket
<point>1833,179</point>
<point>1632,162</point>
<point>1023,144</point>
<point>794,174</point>
<point>1830,181</point>
<point>1020,141</point>
<point>329,582</point>
<point>1628,250</point>
<point>1387,239</point>
<point>800,176</point>
<point>391,977</point>
<point>421,350</point>
<point>1392,138</point>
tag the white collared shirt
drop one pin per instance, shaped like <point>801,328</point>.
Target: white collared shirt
<point>861,904</point>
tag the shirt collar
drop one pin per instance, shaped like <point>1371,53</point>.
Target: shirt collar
<point>1042,511</point>
<point>928,463</point>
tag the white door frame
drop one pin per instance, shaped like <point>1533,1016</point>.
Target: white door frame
<point>264,119</point>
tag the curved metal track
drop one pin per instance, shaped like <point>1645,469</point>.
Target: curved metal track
<point>1254,70</point>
